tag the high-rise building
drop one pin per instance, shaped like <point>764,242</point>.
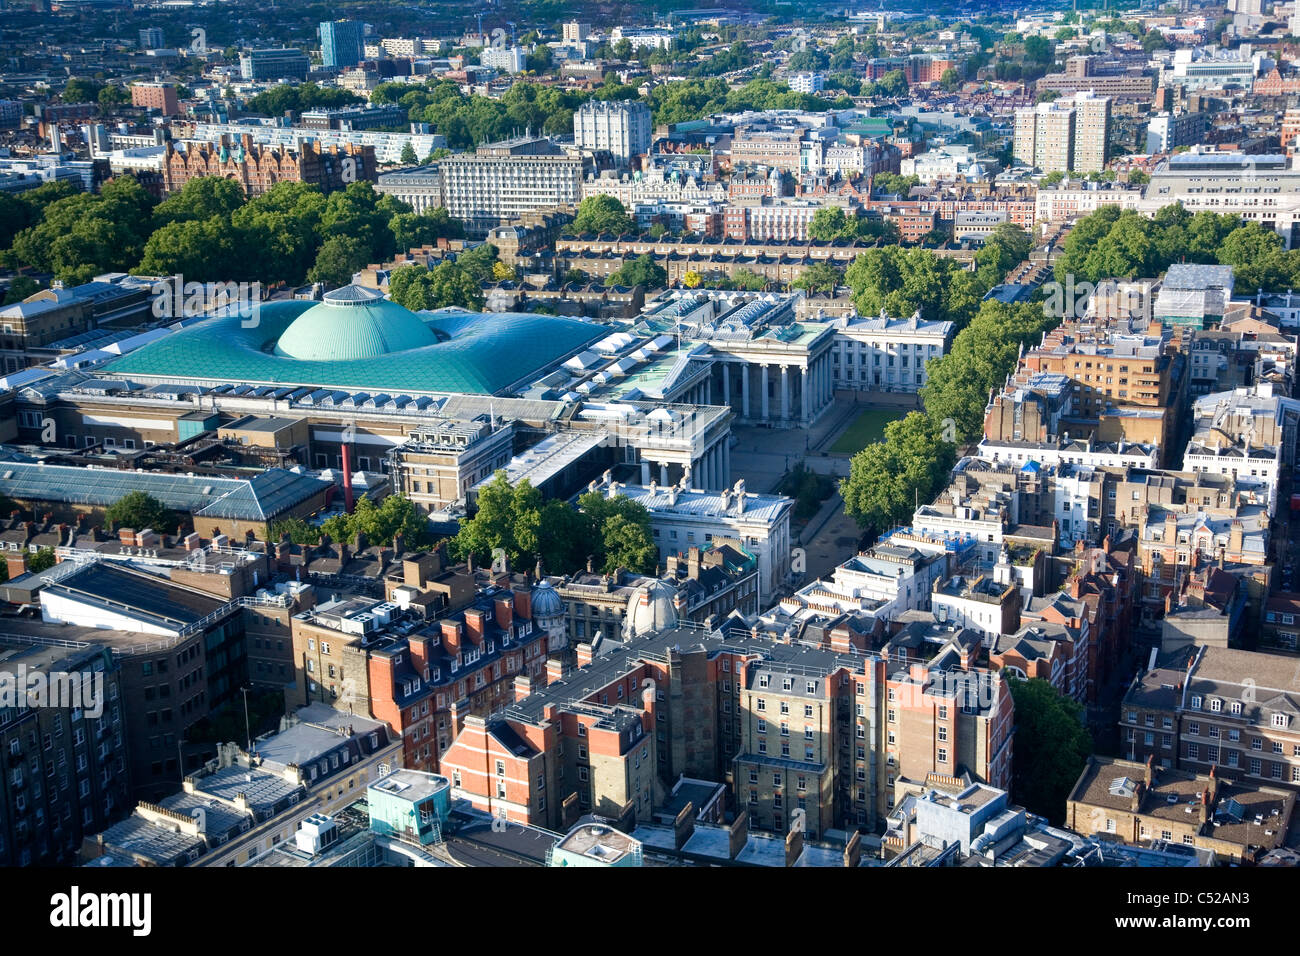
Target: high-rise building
<point>1065,135</point>
<point>151,38</point>
<point>621,128</point>
<point>575,32</point>
<point>340,43</point>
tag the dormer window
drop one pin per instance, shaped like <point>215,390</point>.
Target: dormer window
<point>1216,705</point>
<point>1235,707</point>
<point>1279,720</point>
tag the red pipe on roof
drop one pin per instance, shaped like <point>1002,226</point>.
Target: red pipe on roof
<point>347,478</point>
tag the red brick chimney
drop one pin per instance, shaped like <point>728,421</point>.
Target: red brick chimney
<point>452,636</point>
<point>523,598</point>
<point>505,610</point>
<point>474,624</point>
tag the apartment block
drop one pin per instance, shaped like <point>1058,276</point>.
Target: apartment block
<point>1064,135</point>
<point>503,181</point>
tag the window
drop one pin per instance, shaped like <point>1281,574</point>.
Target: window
<point>942,755</point>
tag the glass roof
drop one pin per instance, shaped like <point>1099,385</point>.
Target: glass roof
<point>478,353</point>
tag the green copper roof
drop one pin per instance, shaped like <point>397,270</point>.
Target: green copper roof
<point>469,352</point>
<point>353,323</point>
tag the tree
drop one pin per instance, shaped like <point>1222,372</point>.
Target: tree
<point>891,184</point>
<point>42,560</point>
<point>113,96</point>
<point>539,61</point>
<point>827,223</point>
<point>1154,40</point>
<point>298,530</point>
<point>887,478</point>
<point>820,276</point>
<point>621,527</point>
<point>642,271</point>
<point>950,80</point>
<point>1051,747</point>
<point>412,229</point>
<point>381,523</point>
<point>139,510</point>
<point>747,280</point>
<point>78,90</point>
<point>338,260</point>
<point>20,287</point>
<point>629,545</point>
<point>692,279</point>
<point>600,214</point>
<point>893,84</point>
<point>981,357</point>
<point>508,518</point>
<point>408,156</point>
<point>201,198</point>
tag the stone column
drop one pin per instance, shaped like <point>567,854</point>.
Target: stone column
<point>805,382</point>
<point>763,391</point>
<point>726,384</point>
<point>645,472</point>
<point>744,391</point>
<point>785,393</point>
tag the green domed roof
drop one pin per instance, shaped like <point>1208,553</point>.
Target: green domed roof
<point>354,323</point>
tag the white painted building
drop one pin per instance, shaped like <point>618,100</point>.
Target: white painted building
<point>681,519</point>
<point>882,353</point>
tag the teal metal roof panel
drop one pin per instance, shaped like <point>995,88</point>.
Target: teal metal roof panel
<point>475,353</point>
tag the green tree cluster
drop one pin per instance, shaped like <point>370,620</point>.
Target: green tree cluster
<point>298,97</point>
<point>470,119</point>
<point>613,532</point>
<point>208,231</point>
<point>642,271</point>
<point>599,214</point>
<point>83,234</point>
<point>1110,244</point>
<point>379,523</point>
<point>888,477</point>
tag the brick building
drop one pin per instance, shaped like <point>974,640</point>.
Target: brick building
<point>258,168</point>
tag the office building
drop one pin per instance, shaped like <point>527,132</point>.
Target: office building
<point>277,64</point>
<point>341,43</point>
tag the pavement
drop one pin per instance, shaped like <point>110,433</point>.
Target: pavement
<point>763,456</point>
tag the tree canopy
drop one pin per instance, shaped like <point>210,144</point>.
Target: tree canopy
<point>139,510</point>
<point>601,214</point>
<point>1051,748</point>
<point>613,532</point>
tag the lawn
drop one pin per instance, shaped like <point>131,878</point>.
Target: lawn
<point>865,429</point>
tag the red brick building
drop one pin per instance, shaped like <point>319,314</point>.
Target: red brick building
<point>258,168</point>
<point>156,96</point>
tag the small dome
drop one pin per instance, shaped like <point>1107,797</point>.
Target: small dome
<point>546,601</point>
<point>354,323</point>
<point>651,608</point>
